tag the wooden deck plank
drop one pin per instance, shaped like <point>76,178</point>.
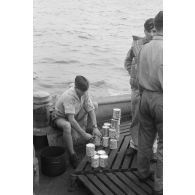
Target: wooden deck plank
<point>121,153</point>
<point>89,185</point>
<point>127,161</point>
<point>142,185</point>
<point>149,182</point>
<point>113,153</point>
<point>109,183</point>
<point>126,189</point>
<point>100,184</point>
<point>117,183</point>
<point>133,186</point>
<point>134,162</point>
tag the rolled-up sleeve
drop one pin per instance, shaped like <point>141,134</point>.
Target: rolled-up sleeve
<point>88,104</point>
<point>69,106</point>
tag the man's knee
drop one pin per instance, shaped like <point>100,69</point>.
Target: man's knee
<point>64,125</point>
<point>66,128</point>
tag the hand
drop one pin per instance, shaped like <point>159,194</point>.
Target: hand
<point>87,136</point>
<point>97,132</point>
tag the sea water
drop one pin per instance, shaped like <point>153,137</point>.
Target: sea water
<point>89,38</point>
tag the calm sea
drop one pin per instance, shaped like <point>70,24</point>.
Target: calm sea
<point>86,37</point>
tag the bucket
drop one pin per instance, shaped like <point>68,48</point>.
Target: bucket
<point>40,142</point>
<point>53,161</point>
<point>41,114</point>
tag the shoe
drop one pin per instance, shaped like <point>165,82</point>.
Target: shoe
<point>131,151</point>
<point>150,176</point>
<point>74,161</point>
<point>157,192</point>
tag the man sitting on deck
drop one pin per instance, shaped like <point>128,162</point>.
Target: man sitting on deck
<point>70,115</point>
<point>131,66</point>
<point>150,76</point>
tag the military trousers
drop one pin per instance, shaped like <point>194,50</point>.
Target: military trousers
<point>151,124</point>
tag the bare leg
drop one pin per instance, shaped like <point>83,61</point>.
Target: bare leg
<point>66,127</point>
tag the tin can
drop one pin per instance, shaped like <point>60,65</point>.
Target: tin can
<point>95,161</point>
<point>105,141</point>
<point>89,157</point>
<point>103,160</point>
<point>90,149</point>
<point>107,124</point>
<point>100,152</point>
<point>155,145</point>
<point>117,135</point>
<point>115,124</point>
<point>113,144</point>
<point>116,113</point>
<point>97,141</point>
<point>112,133</point>
<point>105,131</point>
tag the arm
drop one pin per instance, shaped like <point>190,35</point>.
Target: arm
<point>89,107</point>
<point>77,127</point>
<point>128,60</point>
<point>92,115</point>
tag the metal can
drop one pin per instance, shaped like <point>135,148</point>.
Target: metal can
<point>112,133</point>
<point>115,124</point>
<point>103,160</point>
<point>105,131</point>
<point>117,135</point>
<point>89,157</point>
<point>100,152</point>
<point>95,161</point>
<point>113,144</point>
<point>116,113</point>
<point>105,141</point>
<point>107,124</point>
<point>155,145</point>
<point>97,141</point>
<point>90,149</point>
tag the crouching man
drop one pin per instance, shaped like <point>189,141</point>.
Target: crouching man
<point>71,116</point>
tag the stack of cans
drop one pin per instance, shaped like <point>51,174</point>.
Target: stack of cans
<point>90,151</point>
<point>115,121</point>
<point>111,131</point>
<point>110,136</point>
<point>97,159</point>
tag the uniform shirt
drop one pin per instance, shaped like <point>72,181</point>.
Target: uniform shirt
<point>137,44</point>
<point>131,60</point>
<point>69,103</point>
<point>150,65</point>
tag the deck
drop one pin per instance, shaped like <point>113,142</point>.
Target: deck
<point>120,177</point>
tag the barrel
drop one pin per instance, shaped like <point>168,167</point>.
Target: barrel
<point>53,161</point>
<point>41,114</point>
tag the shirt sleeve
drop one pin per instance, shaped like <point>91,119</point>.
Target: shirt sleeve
<point>88,104</point>
<point>160,75</point>
<point>69,106</point>
<point>128,60</point>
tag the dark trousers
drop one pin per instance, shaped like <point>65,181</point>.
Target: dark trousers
<point>151,123</point>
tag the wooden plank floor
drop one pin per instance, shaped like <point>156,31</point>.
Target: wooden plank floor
<point>120,176</point>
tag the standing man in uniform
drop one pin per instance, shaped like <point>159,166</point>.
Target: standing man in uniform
<point>131,66</point>
<point>150,76</point>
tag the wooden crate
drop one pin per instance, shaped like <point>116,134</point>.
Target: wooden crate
<point>119,177</point>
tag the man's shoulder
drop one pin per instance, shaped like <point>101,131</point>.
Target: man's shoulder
<point>68,94</point>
